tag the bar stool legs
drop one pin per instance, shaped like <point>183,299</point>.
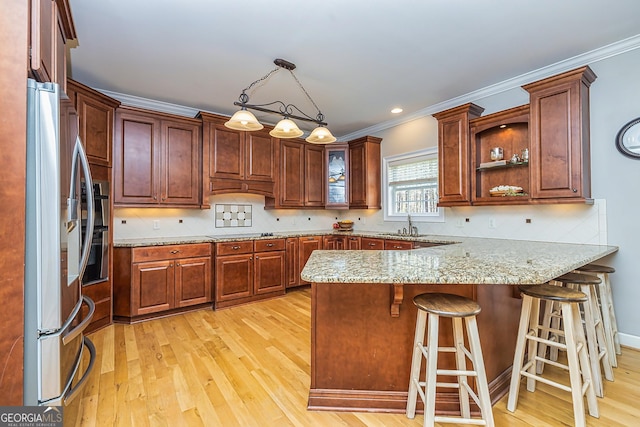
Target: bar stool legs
<point>593,324</point>
<point>606,307</point>
<point>459,309</point>
<point>581,382</point>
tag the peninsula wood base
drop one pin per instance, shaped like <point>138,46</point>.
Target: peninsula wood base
<point>361,352</point>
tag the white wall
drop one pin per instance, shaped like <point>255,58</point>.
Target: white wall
<point>611,220</point>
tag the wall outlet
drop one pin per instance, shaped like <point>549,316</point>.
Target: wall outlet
<point>492,223</point>
<point>156,224</point>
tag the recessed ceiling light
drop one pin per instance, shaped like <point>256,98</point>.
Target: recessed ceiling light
<point>396,110</point>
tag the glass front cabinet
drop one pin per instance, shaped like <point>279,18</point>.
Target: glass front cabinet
<point>337,180</point>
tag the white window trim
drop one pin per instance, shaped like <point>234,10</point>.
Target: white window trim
<point>439,217</point>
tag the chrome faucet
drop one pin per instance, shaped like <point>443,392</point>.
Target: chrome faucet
<point>413,230</point>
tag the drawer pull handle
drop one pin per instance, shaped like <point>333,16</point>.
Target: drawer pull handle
<point>175,251</point>
<point>235,248</point>
<point>269,245</point>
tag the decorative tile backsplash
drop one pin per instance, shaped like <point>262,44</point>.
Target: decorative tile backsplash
<point>233,215</point>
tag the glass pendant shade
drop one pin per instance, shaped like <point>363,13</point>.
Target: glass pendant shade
<point>321,135</point>
<point>243,120</point>
<point>286,129</point>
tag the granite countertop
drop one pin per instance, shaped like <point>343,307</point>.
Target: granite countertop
<point>470,261</point>
<point>161,241</point>
<point>460,260</point>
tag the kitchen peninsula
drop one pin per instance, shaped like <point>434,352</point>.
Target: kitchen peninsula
<point>363,317</point>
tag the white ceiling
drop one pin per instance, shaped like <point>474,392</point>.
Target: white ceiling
<point>356,58</point>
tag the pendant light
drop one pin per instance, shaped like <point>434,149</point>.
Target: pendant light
<point>243,120</point>
<point>286,128</point>
<point>321,135</point>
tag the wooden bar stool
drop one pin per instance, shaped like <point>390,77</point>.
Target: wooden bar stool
<point>596,341</point>
<point>458,308</point>
<point>605,300</point>
<point>529,330</point>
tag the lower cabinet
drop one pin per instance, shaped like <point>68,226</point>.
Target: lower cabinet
<point>157,279</point>
<point>249,270</point>
<point>372,243</point>
<point>291,265</point>
<point>308,244</point>
<point>100,294</point>
<point>334,242</point>
<point>397,244</point>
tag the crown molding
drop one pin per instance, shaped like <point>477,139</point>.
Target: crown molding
<point>581,60</point>
<point>152,104</point>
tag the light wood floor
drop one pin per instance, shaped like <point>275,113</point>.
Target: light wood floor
<point>249,366</point>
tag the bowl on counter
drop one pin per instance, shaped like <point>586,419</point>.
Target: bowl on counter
<point>346,225</point>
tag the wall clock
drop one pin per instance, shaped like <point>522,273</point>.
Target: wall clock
<point>628,139</point>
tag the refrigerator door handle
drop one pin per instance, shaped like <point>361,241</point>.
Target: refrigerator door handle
<point>78,329</point>
<point>69,393</point>
<point>72,393</point>
<point>88,235</point>
<point>68,337</point>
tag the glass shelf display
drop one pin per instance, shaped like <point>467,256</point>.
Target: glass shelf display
<point>337,176</point>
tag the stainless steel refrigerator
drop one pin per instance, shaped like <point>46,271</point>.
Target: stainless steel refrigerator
<point>56,364</point>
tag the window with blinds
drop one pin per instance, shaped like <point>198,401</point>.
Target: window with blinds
<point>412,185</point>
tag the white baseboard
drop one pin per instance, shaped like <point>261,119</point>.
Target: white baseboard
<point>631,341</point>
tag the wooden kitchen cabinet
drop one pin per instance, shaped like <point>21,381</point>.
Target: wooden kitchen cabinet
<point>160,279</point>
<point>308,244</point>
<point>337,176</point>
<point>371,243</point>
<point>236,161</point>
<point>96,113</point>
<point>300,177</point>
<point>314,175</point>
<point>334,242</point>
<point>454,154</point>
<point>364,173</point>
<point>508,129</point>
<point>51,27</point>
<point>156,159</point>
<point>249,270</point>
<point>291,263</point>
<point>353,243</point>
<point>390,244</point>
<point>560,147</point>
<point>152,287</point>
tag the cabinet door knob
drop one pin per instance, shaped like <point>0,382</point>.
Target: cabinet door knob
<point>177,264</point>
<point>155,197</point>
<point>575,190</point>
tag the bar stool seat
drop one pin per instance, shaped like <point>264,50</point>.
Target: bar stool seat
<point>459,309</point>
<point>596,340</point>
<point>605,301</point>
<point>529,335</point>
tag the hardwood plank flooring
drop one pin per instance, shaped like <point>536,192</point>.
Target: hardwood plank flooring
<point>249,366</point>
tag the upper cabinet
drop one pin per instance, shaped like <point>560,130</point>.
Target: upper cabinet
<point>508,130</point>
<point>543,147</point>
<point>337,178</point>
<point>156,159</point>
<point>364,173</point>
<point>560,150</point>
<point>236,161</point>
<point>454,154</point>
<point>300,179</point>
<point>51,26</point>
<point>96,114</point>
